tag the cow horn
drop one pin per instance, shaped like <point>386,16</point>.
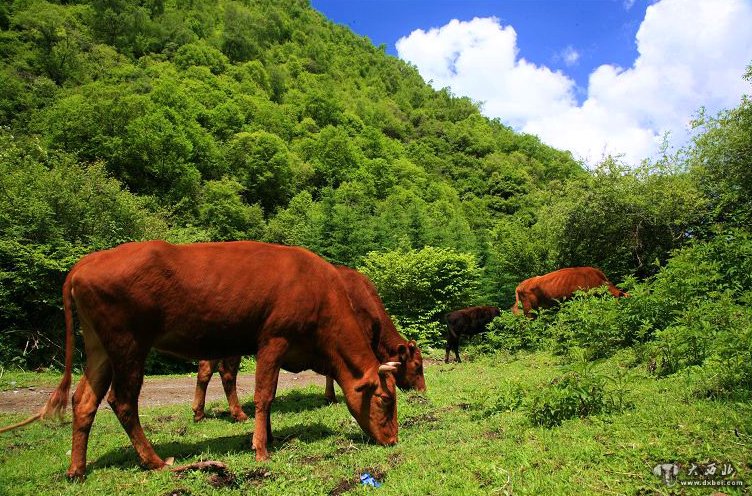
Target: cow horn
<point>388,367</point>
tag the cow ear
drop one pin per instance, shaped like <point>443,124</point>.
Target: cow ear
<point>412,346</point>
<point>402,352</point>
<point>366,385</point>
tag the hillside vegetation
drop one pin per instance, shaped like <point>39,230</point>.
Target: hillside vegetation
<point>217,120</point>
<point>199,120</point>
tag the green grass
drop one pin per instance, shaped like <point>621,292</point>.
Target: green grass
<point>457,439</point>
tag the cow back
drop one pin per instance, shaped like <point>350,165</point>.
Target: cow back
<point>561,284</point>
<point>210,300</point>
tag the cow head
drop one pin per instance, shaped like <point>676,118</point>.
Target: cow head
<point>377,403</point>
<point>410,373</point>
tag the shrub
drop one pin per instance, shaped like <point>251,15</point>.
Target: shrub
<point>510,398</point>
<point>580,392</point>
<point>419,286</point>
<point>515,332</point>
<point>52,212</point>
<point>571,396</point>
<point>594,322</point>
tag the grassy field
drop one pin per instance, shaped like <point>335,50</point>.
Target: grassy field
<point>470,434</point>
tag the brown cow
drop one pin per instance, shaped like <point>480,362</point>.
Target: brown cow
<point>546,290</point>
<point>386,342</point>
<point>283,304</point>
<point>468,322</point>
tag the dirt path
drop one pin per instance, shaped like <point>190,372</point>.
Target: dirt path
<point>161,391</point>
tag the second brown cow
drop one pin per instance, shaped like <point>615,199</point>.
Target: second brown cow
<point>387,343</point>
<point>546,290</point>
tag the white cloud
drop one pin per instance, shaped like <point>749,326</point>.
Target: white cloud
<point>692,53</point>
<point>569,55</point>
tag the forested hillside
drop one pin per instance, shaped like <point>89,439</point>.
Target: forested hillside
<point>195,120</point>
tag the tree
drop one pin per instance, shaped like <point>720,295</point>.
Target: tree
<point>225,214</point>
<point>721,162</point>
<point>262,163</point>
<point>419,286</point>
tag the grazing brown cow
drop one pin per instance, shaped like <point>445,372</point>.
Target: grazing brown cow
<point>468,322</point>
<point>283,304</point>
<point>546,290</point>
<point>387,343</point>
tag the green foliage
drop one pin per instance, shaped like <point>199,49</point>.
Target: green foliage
<point>515,332</point>
<point>623,221</point>
<point>579,393</point>
<point>598,325</point>
<point>419,286</point>
<point>196,120</point>
<point>201,54</point>
<point>722,162</point>
<point>54,210</point>
<point>226,216</point>
<point>571,396</point>
<point>262,164</point>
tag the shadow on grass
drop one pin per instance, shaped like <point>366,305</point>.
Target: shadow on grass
<point>290,402</point>
<point>124,457</point>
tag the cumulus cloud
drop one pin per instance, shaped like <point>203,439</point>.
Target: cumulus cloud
<point>691,53</point>
<point>569,55</point>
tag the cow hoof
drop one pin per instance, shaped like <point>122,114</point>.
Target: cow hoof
<point>331,401</point>
<point>75,475</point>
<point>198,417</point>
<point>240,417</point>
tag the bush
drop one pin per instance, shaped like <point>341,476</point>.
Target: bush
<point>595,322</point>
<point>52,212</point>
<point>419,286</point>
<point>510,398</point>
<point>573,395</point>
<point>514,333</point>
<point>580,392</point>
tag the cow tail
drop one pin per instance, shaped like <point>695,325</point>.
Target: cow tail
<point>58,401</point>
<point>516,307</point>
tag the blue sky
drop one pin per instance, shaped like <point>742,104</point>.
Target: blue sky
<point>593,76</point>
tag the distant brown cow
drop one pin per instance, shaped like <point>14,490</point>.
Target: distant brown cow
<point>387,343</point>
<point>466,322</point>
<point>546,290</point>
<point>211,300</point>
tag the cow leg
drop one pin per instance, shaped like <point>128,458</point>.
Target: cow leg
<point>456,347</point>
<point>329,394</point>
<point>228,371</point>
<point>128,376</point>
<point>86,399</point>
<point>448,348</point>
<point>452,343</point>
<point>527,307</point>
<point>267,375</point>
<point>205,371</point>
